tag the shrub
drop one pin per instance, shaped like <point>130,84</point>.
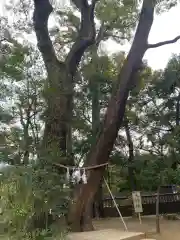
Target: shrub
<point>27,195</point>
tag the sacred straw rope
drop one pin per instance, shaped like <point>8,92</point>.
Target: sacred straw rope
<point>86,168</point>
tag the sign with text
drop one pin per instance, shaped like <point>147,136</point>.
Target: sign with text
<point>136,197</point>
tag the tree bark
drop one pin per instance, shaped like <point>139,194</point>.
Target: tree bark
<point>59,89</point>
<point>113,119</point>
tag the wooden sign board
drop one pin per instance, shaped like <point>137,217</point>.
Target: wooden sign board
<point>136,197</point>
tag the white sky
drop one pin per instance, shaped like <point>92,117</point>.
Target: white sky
<point>165,27</point>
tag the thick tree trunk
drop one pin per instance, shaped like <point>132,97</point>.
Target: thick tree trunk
<point>57,141</point>
<point>59,89</point>
<point>131,173</point>
<point>114,116</point>
<point>58,96</point>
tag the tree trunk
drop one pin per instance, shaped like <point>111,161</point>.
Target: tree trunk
<point>131,173</point>
<point>113,119</point>
<point>59,88</point>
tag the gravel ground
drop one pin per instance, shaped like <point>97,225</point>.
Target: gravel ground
<point>170,229</point>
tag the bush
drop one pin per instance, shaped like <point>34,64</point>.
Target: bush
<point>27,195</point>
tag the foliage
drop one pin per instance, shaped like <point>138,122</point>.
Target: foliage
<point>28,189</point>
<point>27,195</point>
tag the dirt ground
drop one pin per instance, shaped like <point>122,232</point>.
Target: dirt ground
<point>170,229</point>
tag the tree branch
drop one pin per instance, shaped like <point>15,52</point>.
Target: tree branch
<point>42,11</point>
<point>163,43</point>
<point>86,35</point>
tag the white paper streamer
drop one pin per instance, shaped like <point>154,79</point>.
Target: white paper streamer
<point>84,177</point>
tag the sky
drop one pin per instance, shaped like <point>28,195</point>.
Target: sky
<point>166,26</point>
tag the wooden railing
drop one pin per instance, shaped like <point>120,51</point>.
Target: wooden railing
<point>168,203</point>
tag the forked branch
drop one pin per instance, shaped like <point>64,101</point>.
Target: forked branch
<point>163,43</point>
<point>42,11</point>
<point>86,34</point>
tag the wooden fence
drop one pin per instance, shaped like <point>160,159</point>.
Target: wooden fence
<point>168,203</point>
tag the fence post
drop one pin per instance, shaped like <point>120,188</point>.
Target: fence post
<point>157,212</point>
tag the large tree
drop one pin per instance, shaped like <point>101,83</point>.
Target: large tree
<point>100,152</point>
<point>59,93</point>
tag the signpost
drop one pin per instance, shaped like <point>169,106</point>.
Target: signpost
<point>136,197</point>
